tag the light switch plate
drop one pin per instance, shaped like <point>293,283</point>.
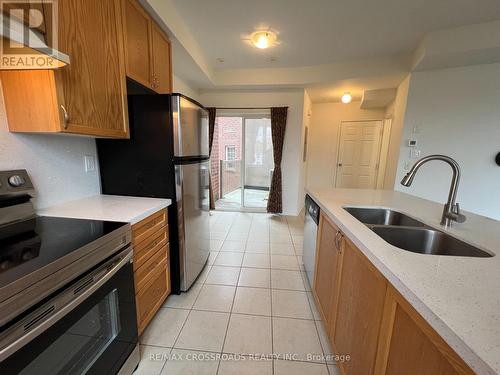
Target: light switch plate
<point>89,163</point>
<point>415,154</point>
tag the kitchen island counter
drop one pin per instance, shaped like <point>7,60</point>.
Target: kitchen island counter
<point>457,296</point>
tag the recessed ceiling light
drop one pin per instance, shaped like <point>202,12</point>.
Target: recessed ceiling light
<point>346,98</point>
<point>263,39</point>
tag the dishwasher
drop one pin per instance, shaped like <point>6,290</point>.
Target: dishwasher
<point>310,237</point>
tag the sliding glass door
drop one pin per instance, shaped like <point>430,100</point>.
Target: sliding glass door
<point>258,162</point>
<point>242,162</point>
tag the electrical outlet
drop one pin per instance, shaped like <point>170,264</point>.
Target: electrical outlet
<point>89,163</point>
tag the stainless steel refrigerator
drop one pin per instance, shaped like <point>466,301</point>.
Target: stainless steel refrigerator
<point>192,165</point>
<point>167,156</point>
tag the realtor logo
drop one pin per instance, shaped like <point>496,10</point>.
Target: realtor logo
<point>29,34</point>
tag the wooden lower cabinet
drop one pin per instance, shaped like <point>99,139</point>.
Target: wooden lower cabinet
<point>408,342</point>
<point>151,266</point>
<point>359,313</point>
<point>151,296</point>
<point>327,268</point>
<point>369,320</point>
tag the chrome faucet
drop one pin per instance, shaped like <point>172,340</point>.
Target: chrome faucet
<point>451,211</point>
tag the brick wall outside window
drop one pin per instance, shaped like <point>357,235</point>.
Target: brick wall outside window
<point>228,132</point>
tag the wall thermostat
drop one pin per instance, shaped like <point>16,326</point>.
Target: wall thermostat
<point>412,142</point>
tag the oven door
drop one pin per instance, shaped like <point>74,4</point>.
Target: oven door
<point>89,327</point>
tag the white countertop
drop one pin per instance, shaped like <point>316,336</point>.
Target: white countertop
<point>108,207</point>
<point>458,296</point>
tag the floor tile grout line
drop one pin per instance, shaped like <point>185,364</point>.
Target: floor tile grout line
<point>228,322</point>
<point>317,332</point>
<point>187,317</point>
<point>272,324</point>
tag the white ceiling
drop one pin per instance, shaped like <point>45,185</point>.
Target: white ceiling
<point>318,32</point>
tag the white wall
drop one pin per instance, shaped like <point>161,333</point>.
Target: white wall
<point>397,111</point>
<point>306,122</point>
<point>54,163</point>
<point>292,152</point>
<point>182,87</point>
<point>457,112</point>
<point>323,138</point>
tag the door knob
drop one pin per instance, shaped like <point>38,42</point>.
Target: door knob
<point>339,164</point>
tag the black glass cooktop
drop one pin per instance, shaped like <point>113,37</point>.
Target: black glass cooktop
<point>30,245</point>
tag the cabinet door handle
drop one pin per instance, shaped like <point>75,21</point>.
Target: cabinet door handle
<point>65,117</point>
<point>338,237</point>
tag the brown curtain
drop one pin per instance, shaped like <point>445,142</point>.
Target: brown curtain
<point>278,127</point>
<point>211,127</point>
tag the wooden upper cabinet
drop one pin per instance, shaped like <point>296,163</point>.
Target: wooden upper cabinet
<point>408,342</point>
<point>94,88</point>
<point>326,269</point>
<point>89,95</point>
<point>147,49</point>
<point>359,313</point>
<point>161,62</point>
<point>138,39</point>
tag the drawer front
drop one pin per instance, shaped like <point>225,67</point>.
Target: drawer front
<point>152,295</point>
<point>146,271</point>
<point>143,229</point>
<point>147,248</point>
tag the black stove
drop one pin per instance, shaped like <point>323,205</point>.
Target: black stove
<point>39,254</point>
<point>28,246</point>
<point>67,297</point>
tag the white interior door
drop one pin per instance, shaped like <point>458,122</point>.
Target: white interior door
<point>359,153</point>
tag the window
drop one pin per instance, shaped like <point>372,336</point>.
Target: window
<point>230,158</point>
<point>230,153</point>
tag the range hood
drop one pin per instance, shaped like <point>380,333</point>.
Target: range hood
<point>25,48</point>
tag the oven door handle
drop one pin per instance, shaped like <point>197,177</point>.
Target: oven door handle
<point>50,313</point>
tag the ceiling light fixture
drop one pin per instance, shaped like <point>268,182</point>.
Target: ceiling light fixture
<point>346,98</point>
<point>263,39</point>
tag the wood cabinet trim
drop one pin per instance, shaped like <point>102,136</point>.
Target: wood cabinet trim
<point>344,317</point>
<point>395,300</point>
<point>145,228</point>
<point>146,220</point>
<point>161,88</point>
<point>335,295</point>
<point>146,249</point>
<point>145,272</point>
<point>157,276</point>
<point>323,218</point>
<point>386,327</point>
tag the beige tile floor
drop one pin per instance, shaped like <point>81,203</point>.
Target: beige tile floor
<point>251,311</point>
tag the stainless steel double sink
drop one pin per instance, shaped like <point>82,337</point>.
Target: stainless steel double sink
<point>412,235</point>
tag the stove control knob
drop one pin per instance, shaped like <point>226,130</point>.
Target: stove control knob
<point>16,180</point>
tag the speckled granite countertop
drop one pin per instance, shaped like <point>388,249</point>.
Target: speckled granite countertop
<point>458,296</point>
<point>108,207</point>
